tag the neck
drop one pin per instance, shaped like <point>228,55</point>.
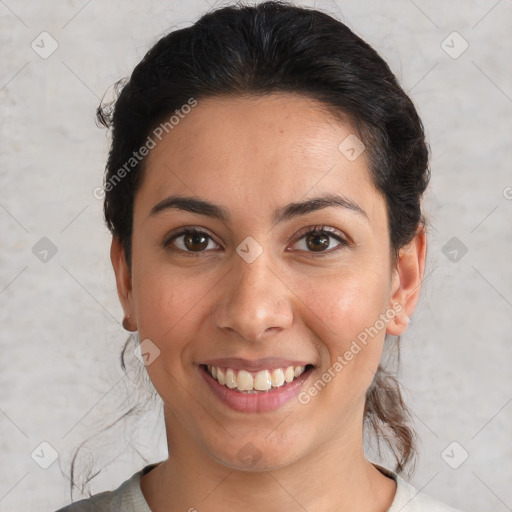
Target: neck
<point>333,477</point>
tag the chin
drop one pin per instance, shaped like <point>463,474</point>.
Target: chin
<point>256,454</point>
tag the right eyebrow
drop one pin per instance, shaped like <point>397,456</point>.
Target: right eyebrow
<point>292,210</point>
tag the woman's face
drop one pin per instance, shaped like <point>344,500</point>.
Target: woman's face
<point>253,292</point>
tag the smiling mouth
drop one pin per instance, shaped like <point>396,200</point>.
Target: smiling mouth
<point>262,381</point>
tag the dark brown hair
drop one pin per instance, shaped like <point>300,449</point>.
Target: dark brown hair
<point>278,47</point>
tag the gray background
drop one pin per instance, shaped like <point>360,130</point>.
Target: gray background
<point>60,334</point>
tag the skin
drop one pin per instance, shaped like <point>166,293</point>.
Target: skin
<point>253,155</point>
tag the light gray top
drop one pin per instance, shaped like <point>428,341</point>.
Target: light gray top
<point>128,497</point>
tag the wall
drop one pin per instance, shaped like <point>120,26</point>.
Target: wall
<point>60,333</point>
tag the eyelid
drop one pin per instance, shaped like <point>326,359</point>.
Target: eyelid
<point>340,236</point>
<point>183,230</point>
<point>322,228</point>
<point>343,239</point>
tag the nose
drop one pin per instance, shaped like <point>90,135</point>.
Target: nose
<point>254,301</point>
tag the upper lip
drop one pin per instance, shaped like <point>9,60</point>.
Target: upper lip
<point>268,363</point>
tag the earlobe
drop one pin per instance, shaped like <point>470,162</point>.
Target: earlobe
<point>123,281</point>
<point>407,277</point>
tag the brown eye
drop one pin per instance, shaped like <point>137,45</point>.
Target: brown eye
<point>189,240</point>
<point>318,240</point>
<point>195,241</point>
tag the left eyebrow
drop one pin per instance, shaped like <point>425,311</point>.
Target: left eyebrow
<point>290,211</point>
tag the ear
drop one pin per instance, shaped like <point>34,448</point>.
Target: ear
<point>123,282</point>
<point>406,282</point>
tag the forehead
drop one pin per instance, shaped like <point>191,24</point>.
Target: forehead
<point>253,151</point>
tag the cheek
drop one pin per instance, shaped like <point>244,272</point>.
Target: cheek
<point>347,305</point>
<point>348,322</point>
<point>167,306</point>
<point>167,314</point>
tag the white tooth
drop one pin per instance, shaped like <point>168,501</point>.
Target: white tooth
<point>289,374</point>
<point>244,381</point>
<point>220,376</point>
<point>277,378</point>
<point>262,381</point>
<point>230,378</point>
<point>299,370</point>
<point>214,372</point>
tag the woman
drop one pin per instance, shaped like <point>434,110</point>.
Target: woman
<point>263,191</point>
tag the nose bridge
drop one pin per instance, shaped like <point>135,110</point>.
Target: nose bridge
<point>255,300</point>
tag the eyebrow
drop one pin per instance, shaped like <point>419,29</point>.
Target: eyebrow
<point>292,210</point>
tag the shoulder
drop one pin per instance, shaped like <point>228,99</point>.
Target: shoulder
<point>99,502</point>
<point>126,498</point>
<point>409,499</point>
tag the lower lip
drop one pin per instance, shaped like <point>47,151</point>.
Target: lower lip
<point>262,401</point>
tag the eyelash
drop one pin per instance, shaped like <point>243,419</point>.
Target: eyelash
<point>315,230</point>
